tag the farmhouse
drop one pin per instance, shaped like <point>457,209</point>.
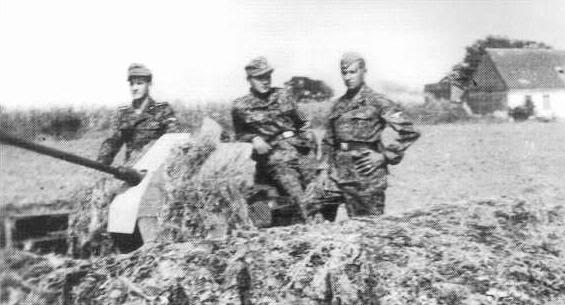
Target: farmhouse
<point>508,78</point>
<point>444,90</point>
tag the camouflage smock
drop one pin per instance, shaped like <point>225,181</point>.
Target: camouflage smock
<point>358,119</point>
<point>138,130</point>
<point>268,116</point>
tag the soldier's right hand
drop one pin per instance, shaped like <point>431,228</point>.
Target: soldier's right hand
<point>369,161</point>
<point>261,146</point>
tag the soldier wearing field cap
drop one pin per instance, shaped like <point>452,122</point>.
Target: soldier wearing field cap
<point>280,133</point>
<point>141,122</point>
<point>358,157</point>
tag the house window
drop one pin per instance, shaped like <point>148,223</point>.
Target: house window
<point>546,102</point>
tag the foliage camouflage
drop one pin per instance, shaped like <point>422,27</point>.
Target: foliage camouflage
<point>494,251</point>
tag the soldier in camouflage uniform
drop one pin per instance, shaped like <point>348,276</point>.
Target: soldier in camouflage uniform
<point>139,123</point>
<point>280,133</point>
<point>357,156</point>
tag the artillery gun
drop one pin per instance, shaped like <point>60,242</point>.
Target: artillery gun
<point>129,175</point>
<point>136,207</point>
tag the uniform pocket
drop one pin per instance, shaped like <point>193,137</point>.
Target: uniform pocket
<point>151,125</point>
<point>256,117</point>
<point>362,120</point>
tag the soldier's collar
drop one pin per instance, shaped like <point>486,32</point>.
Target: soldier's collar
<point>350,102</point>
<point>146,103</point>
<point>360,91</point>
<point>261,95</point>
<point>353,92</point>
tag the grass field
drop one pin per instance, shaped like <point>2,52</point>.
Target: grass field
<point>27,177</point>
<point>456,162</point>
<point>448,164</point>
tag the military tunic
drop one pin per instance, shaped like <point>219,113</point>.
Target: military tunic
<point>137,130</point>
<point>270,116</point>
<point>355,124</point>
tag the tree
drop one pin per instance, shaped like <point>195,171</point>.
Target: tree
<point>307,90</point>
<point>461,74</point>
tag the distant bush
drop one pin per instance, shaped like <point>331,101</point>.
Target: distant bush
<point>190,116</point>
<point>522,112</point>
<point>437,112</point>
<point>101,118</point>
<point>60,123</point>
<point>307,90</point>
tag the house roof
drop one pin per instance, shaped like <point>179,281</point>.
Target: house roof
<point>530,68</point>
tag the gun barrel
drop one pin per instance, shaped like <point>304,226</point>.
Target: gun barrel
<point>128,175</point>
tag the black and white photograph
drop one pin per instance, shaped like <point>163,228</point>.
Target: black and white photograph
<point>314,152</point>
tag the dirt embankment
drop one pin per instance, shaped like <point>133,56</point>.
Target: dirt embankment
<point>485,252</point>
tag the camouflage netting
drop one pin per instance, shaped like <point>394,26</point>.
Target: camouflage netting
<point>88,222</point>
<point>501,251</point>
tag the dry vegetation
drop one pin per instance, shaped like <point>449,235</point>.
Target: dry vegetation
<point>441,243</point>
<point>485,252</point>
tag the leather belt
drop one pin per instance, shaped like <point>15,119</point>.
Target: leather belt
<point>346,146</point>
<point>283,135</point>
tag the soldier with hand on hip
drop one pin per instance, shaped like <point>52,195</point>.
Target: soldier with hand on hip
<point>141,122</point>
<point>280,133</point>
<point>357,156</point>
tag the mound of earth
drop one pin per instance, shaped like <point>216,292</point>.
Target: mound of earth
<point>502,251</point>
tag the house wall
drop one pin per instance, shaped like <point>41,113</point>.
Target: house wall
<point>552,105</point>
<point>488,91</point>
<point>486,102</point>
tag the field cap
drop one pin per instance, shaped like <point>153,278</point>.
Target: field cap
<point>140,70</point>
<point>349,58</point>
<point>258,66</point>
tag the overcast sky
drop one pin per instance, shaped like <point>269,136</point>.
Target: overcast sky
<point>69,52</point>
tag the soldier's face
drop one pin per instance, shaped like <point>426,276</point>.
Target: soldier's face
<point>353,75</point>
<point>139,88</point>
<point>260,83</point>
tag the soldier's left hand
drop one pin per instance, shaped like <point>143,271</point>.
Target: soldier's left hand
<point>369,162</point>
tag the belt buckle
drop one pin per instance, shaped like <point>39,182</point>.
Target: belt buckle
<point>344,146</point>
<point>287,134</point>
